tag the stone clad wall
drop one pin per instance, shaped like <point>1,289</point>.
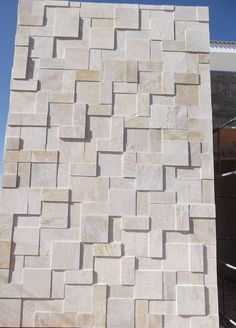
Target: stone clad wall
<point>107,201</point>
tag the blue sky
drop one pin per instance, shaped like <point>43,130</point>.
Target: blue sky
<point>222,27</point>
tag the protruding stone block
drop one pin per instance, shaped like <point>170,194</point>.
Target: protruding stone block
<point>65,255</point>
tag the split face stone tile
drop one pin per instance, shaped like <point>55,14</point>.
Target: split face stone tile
<point>186,95</point>
<point>136,223</point>
<point>141,313</point>
<point>129,165</point>
<point>83,169</point>
<point>128,270</point>
<point>5,247</point>
<point>182,217</point>
<point>125,104</point>
<point>162,29</point>
<point>20,67</point>
<point>107,270</point>
<point>191,300</point>
<point>175,152</point>
<point>163,117</point>
<point>94,229</point>
<point>43,47</point>
<point>135,243</point>
<point>148,284</point>
<point>13,143</point>
<point>150,177</point>
<point>106,89</point>
<point>163,307</point>
<point>65,255</point>
<point>9,181</point>
<point>87,92</point>
<point>107,250</point>
<point>104,10</point>
<point>78,299</point>
<point>79,277</point>
<point>171,320</point>
<point>186,13</point>
<point>36,283</point>
<point>118,291</point>
<point>61,114</point>
<point>137,140</point>
<point>14,200</point>
<point>58,286</point>
<point>76,58</point>
<point>126,17</point>
<point>114,70</point>
<point>110,164</point>
<point>26,241</point>
<point>10,310</point>
<point>55,319</point>
<point>150,82</point>
<point>66,24</point>
<point>43,175</point>
<point>138,49</point>
<point>100,127</point>
<point>33,138</point>
<point>210,321</point>
<point>120,313</point>
<point>89,189</point>
<point>102,38</point>
<point>51,80</point>
<point>177,257</point>
<point>126,204</point>
<point>196,258</point>
<point>197,42</point>
<point>71,152</point>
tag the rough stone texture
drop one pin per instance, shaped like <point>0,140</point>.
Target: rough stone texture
<point>107,205</point>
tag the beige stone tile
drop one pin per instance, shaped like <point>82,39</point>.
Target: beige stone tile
<point>186,95</point>
<point>191,300</point>
<point>43,175</point>
<point>125,104</point>
<point>87,92</point>
<point>102,38</point>
<point>128,270</point>
<point>61,114</point>
<point>100,127</point>
<point>76,58</point>
<point>107,250</point>
<point>65,255</point>
<point>36,283</point>
<point>126,204</point>
<point>26,241</point>
<point>5,246</point>
<point>162,29</point>
<point>89,189</point>
<point>150,177</point>
<point>78,299</point>
<point>94,229</point>
<point>138,49</point>
<point>148,284</point>
<point>10,310</point>
<point>66,24</point>
<point>107,270</point>
<point>127,17</point>
<point>110,164</point>
<point>120,313</point>
<point>114,70</point>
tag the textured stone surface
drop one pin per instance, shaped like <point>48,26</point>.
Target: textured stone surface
<point>107,207</point>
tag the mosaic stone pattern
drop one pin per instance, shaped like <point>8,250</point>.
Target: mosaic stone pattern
<point>107,200</point>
